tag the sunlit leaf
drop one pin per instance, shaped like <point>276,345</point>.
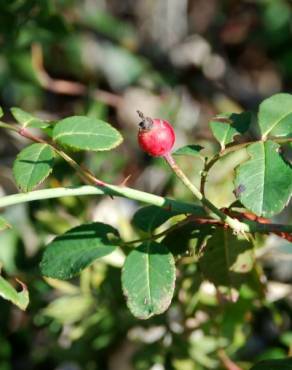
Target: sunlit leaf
<point>189,150</point>
<point>33,165</point>
<point>85,133</point>
<point>225,127</point>
<point>265,180</point>
<point>148,279</point>
<point>27,120</point>
<point>8,292</point>
<point>275,116</point>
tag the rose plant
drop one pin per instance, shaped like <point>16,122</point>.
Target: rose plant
<point>219,242</point>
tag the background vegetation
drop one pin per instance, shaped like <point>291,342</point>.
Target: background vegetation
<point>181,60</point>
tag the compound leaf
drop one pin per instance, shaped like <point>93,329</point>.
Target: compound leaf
<point>148,279</point>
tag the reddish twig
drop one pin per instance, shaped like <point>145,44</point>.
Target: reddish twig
<point>262,220</point>
<point>272,228</point>
<point>82,172</point>
<point>227,362</point>
<point>68,87</point>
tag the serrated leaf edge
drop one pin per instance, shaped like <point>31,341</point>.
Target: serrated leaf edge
<point>70,276</point>
<point>265,134</point>
<point>28,189</point>
<point>196,153</point>
<point>165,306</point>
<point>117,143</point>
<point>263,213</point>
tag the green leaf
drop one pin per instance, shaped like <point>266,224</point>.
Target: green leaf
<point>27,120</point>
<point>192,150</point>
<point>275,116</point>
<point>122,67</point>
<point>70,253</point>
<point>69,309</point>
<point>281,364</point>
<point>265,180</point>
<point>225,127</point>
<point>186,239</point>
<point>104,23</point>
<point>86,133</point>
<point>3,224</point>
<point>1,112</point>
<point>225,259</point>
<point>33,165</point>
<point>150,217</point>
<point>20,299</point>
<point>148,279</point>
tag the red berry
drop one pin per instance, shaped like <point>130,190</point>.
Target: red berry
<point>156,136</point>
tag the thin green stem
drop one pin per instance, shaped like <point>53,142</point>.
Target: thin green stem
<point>102,188</point>
<point>111,190</point>
<point>236,225</point>
<point>84,174</point>
<point>137,195</point>
<point>8,127</point>
<point>159,235</point>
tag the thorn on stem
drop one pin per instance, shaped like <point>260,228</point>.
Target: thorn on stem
<point>124,182</point>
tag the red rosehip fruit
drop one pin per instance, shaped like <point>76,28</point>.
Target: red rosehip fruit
<point>156,136</point>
